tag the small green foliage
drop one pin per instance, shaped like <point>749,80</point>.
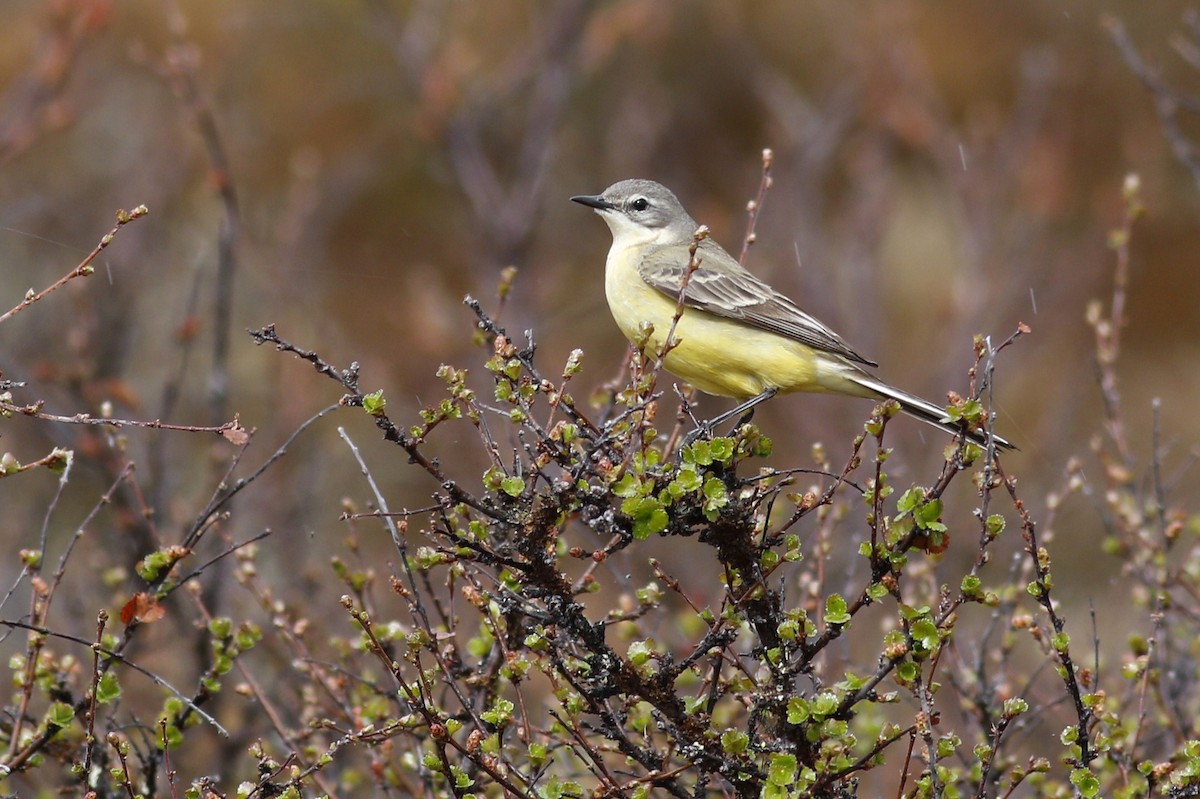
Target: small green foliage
<point>797,710</point>
<point>735,742</point>
<point>108,689</point>
<point>537,754</point>
<point>782,769</point>
<point>649,516</point>
<point>715,497</point>
<point>1085,782</point>
<point>907,672</point>
<point>628,486</point>
<point>155,565</point>
<point>706,453</point>
<point>721,450</point>
<point>640,652</point>
<point>970,410</point>
<point>375,403</point>
<point>836,611</point>
<point>1015,706</point>
<point>687,480</point>
<point>500,714</point>
<point>649,595</point>
<point>59,714</point>
<point>925,636</point>
<point>220,627</point>
<point>556,788</point>
<point>925,514</point>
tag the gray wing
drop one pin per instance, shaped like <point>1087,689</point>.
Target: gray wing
<point>722,287</point>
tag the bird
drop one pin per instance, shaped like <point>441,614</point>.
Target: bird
<point>737,336</point>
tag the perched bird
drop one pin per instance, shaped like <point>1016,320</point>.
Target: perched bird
<point>737,336</point>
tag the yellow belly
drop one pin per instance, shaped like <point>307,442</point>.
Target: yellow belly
<point>721,356</point>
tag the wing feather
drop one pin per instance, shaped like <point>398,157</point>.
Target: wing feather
<point>721,286</point>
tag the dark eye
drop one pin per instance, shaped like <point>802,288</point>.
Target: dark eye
<point>640,204</point>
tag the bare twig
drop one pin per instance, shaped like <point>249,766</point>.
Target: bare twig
<point>754,207</point>
<point>84,268</point>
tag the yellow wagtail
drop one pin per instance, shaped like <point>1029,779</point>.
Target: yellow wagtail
<point>737,336</point>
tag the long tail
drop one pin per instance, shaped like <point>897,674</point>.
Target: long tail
<point>921,409</point>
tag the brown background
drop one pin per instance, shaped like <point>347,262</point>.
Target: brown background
<point>940,170</point>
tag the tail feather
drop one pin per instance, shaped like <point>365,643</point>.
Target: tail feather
<point>924,410</point>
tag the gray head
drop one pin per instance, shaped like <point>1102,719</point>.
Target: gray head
<point>640,211</point>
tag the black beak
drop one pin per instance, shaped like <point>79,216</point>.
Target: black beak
<point>596,201</point>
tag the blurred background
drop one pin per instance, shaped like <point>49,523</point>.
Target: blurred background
<point>349,170</point>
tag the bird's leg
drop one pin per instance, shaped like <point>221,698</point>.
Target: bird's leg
<point>746,417</point>
<point>745,409</point>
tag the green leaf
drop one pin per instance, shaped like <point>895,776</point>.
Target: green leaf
<point>928,515</point>
<point>925,634</point>
<point>947,745</point>
<point>154,564</point>
<point>734,742</point>
<point>221,627</point>
<point>789,629</point>
<point>1015,706</point>
<point>910,499</point>
<point>823,704</point>
<point>687,480</point>
<point>836,611</point>
<point>500,713</point>
<point>59,714</point>
<point>701,453</point>
<point>107,689</point>
<point>648,516</point>
<point>627,486</point>
<point>714,490</point>
<point>513,486</point>
<point>461,778</point>
<point>375,403</point>
<point>1085,782</point>
<point>537,754</point>
<point>721,449</point>
<point>715,497</point>
<point>782,769</point>
<point>639,652</point>
<point>248,635</point>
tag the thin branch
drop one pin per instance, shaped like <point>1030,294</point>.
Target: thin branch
<point>84,268</point>
<point>117,656</point>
